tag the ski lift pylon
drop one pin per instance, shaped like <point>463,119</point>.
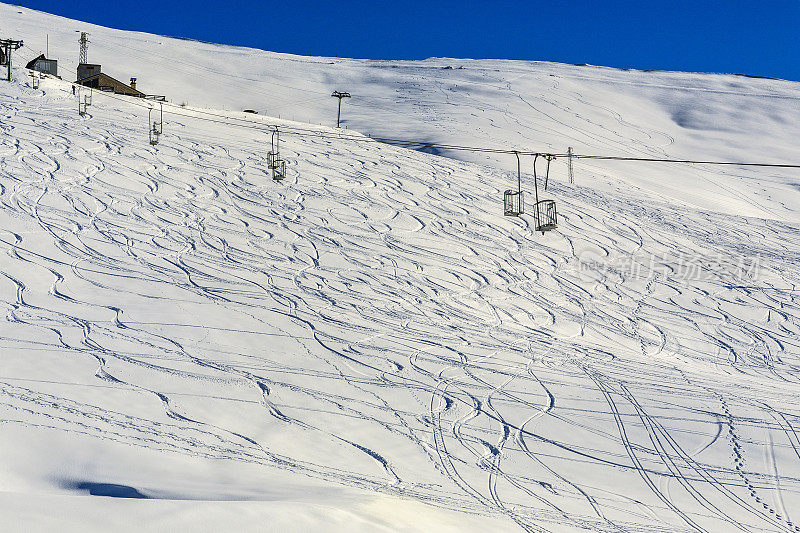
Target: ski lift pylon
<point>513,204</point>
<point>155,128</point>
<point>274,161</point>
<point>546,215</point>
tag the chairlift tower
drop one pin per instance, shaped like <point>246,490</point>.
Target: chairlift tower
<point>339,95</point>
<point>7,46</point>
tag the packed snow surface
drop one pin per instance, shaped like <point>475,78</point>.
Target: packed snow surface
<point>370,344</point>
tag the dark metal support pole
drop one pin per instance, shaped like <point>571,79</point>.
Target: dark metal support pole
<point>536,189</point>
<point>339,95</point>
<point>547,172</point>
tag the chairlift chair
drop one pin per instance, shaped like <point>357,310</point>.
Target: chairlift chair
<point>279,170</point>
<point>154,133</point>
<point>156,128</point>
<point>274,161</point>
<point>84,101</point>
<point>546,215</point>
<point>513,203</point>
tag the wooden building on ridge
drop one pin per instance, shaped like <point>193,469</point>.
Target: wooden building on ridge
<point>90,75</point>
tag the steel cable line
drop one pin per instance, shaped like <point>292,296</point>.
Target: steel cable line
<point>406,143</point>
<point>692,161</point>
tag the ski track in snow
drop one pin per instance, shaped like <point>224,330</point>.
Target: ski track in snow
<point>375,322</point>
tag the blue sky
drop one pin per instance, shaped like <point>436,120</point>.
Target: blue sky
<point>746,37</point>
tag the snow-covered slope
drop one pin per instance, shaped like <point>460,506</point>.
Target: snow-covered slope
<point>507,104</point>
<point>370,344</point>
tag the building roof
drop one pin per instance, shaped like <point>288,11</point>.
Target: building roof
<point>32,62</point>
<point>101,76</point>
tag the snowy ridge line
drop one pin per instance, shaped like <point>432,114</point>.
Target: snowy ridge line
<point>326,94</point>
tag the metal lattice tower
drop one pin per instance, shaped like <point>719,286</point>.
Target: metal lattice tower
<point>84,40</point>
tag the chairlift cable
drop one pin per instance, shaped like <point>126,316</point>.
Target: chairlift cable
<point>406,143</point>
<point>689,161</point>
